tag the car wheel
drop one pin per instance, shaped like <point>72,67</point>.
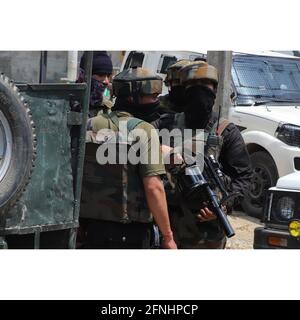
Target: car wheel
<point>265,175</point>
<point>17,144</point>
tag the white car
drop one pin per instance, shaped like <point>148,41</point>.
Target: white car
<point>267,112</point>
<point>281,228</point>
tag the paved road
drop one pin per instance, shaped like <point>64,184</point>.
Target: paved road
<point>244,231</point>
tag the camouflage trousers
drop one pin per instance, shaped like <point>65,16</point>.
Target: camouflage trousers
<point>203,244</point>
<point>189,233</point>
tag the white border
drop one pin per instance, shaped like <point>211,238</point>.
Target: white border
<point>153,25</point>
<point>152,274</point>
<point>150,25</point>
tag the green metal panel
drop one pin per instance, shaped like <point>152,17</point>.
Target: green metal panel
<point>47,213</point>
<point>49,200</point>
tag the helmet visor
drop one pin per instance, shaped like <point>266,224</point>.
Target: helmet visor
<point>144,87</point>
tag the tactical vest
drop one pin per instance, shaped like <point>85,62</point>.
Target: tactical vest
<point>189,234</point>
<point>112,192</point>
<point>213,140</point>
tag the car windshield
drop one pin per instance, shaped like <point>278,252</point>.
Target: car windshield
<point>259,80</point>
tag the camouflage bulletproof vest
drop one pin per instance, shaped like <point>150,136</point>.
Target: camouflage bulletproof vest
<point>113,192</point>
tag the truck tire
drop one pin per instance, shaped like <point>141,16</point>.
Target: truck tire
<point>17,144</point>
<point>265,175</point>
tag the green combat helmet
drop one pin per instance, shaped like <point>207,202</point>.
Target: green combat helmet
<point>198,70</point>
<point>136,81</point>
<point>173,72</point>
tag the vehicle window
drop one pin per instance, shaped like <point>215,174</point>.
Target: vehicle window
<point>25,66</point>
<point>194,57</point>
<point>57,62</point>
<point>252,76</point>
<point>264,77</point>
<point>287,76</point>
<point>21,66</point>
<point>166,62</point>
<point>135,59</point>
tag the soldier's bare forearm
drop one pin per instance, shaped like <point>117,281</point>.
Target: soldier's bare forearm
<point>157,203</point>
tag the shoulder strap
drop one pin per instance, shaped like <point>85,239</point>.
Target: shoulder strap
<point>132,123</point>
<point>179,120</point>
<point>224,123</point>
<point>114,118</point>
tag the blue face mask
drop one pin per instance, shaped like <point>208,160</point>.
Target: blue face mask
<point>106,93</point>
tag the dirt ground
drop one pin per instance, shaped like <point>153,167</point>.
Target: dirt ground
<point>244,231</point>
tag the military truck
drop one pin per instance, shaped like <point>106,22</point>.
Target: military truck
<point>42,144</point>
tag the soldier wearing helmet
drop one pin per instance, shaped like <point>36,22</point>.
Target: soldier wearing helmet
<point>126,204</point>
<point>200,81</point>
<point>175,99</point>
<point>137,91</point>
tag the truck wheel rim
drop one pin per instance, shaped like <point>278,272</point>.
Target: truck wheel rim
<point>260,183</point>
<point>5,145</point>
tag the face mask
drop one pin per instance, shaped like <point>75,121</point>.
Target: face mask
<point>146,112</point>
<point>97,90</point>
<point>96,95</point>
<point>177,97</point>
<point>106,93</point>
<point>199,104</point>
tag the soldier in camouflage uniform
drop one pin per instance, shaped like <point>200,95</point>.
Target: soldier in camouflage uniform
<point>174,101</point>
<point>150,110</point>
<point>200,81</point>
<point>119,201</point>
<point>101,75</point>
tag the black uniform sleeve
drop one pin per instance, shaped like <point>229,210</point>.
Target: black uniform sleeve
<point>235,159</point>
<point>165,121</point>
<point>156,124</point>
